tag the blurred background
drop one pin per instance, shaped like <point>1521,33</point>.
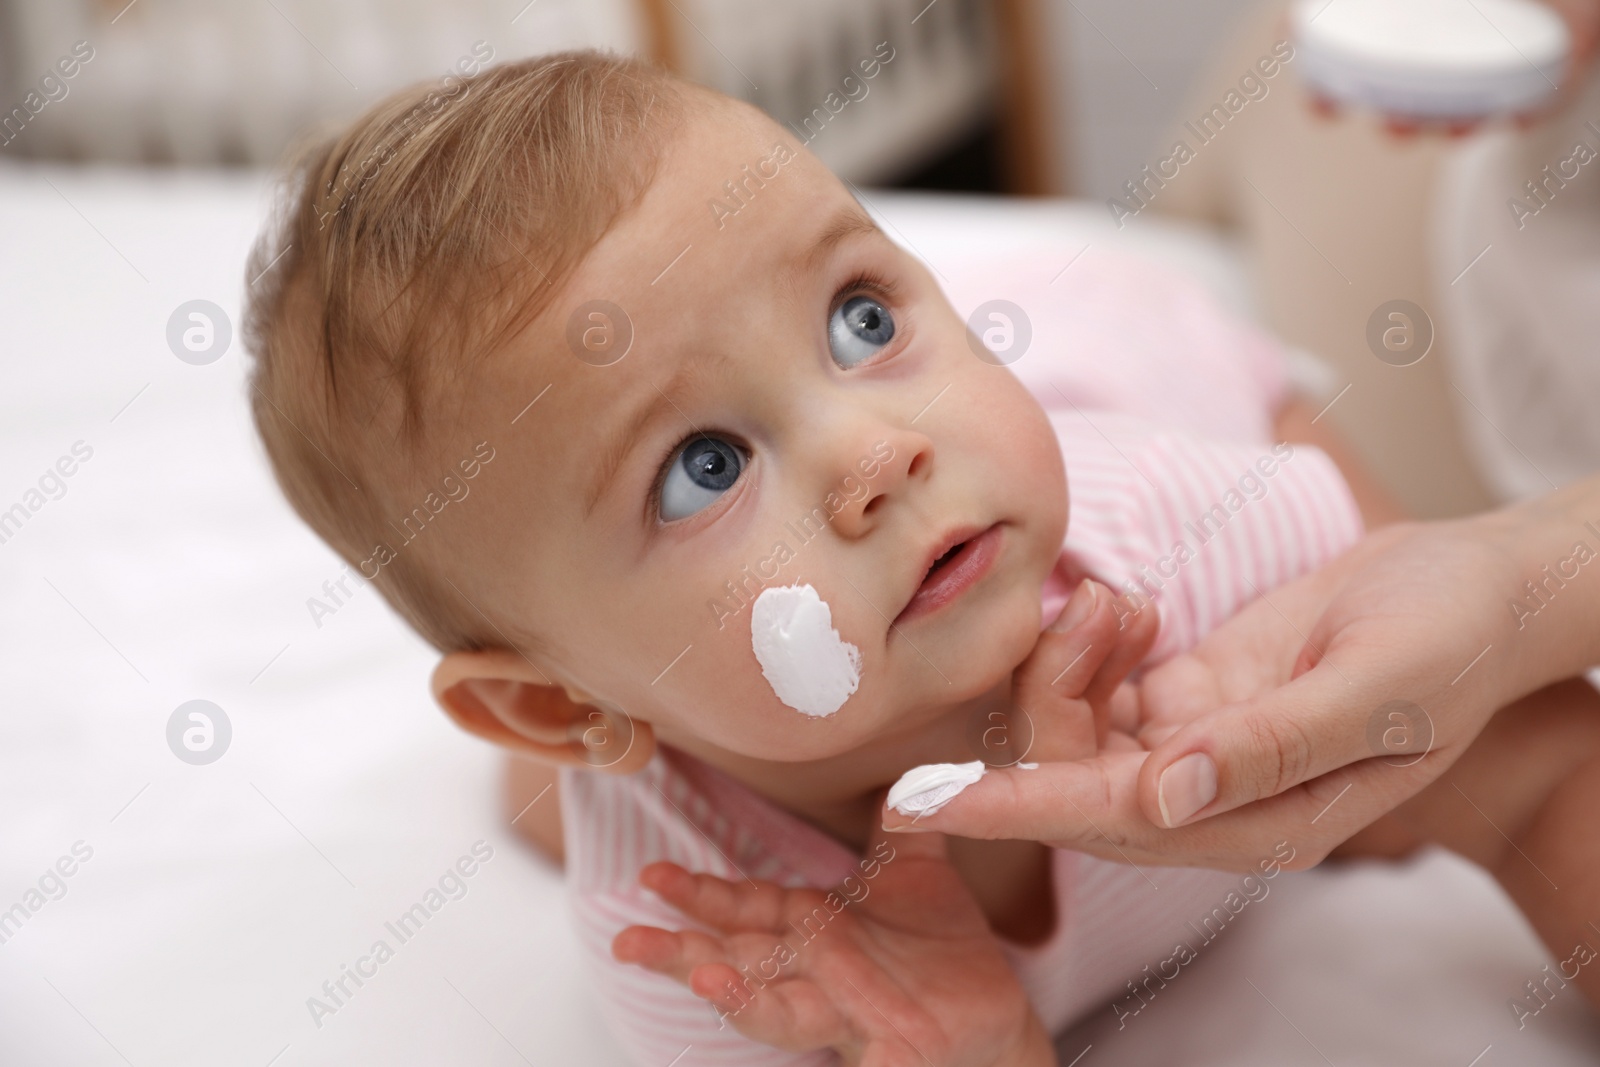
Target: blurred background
<point>218,897</point>
<point>1334,217</point>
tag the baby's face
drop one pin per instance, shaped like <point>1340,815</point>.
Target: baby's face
<point>798,404</point>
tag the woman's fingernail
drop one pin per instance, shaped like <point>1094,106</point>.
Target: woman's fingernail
<point>1186,787</point>
<point>1078,609</point>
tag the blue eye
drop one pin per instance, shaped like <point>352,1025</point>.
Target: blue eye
<point>858,329</point>
<point>702,470</point>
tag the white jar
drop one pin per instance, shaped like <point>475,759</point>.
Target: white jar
<point>1440,60</point>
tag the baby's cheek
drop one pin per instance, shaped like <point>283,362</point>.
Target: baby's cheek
<point>792,677</point>
<point>1040,476</point>
<point>810,667</point>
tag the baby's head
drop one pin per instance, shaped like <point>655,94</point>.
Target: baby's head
<point>573,359</point>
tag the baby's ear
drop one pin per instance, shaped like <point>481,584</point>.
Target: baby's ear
<point>502,698</point>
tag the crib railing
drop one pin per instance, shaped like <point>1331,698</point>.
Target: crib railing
<point>873,86</point>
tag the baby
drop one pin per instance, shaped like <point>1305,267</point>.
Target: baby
<point>756,526</point>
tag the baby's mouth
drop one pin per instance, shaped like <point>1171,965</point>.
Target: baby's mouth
<point>964,557</point>
<point>942,560</point>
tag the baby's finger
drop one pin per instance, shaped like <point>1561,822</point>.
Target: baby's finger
<point>796,1016</point>
<point>1139,623</point>
<point>1047,684</point>
<point>1123,710</point>
<point>674,953</point>
<point>720,904</point>
<point>1068,655</point>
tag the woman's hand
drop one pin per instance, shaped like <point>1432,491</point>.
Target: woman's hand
<point>898,969</point>
<point>1305,717</point>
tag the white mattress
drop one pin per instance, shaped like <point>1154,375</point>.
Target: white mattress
<point>219,898</point>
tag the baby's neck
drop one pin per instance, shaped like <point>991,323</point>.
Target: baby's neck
<point>841,794</point>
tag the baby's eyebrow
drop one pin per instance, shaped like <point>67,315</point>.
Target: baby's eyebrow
<point>846,223</point>
<point>627,431</point>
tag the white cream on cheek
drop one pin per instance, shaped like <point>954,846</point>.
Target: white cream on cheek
<point>802,656</point>
<point>924,790</point>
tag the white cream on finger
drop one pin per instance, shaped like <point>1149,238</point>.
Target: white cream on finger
<point>802,656</point>
<point>924,790</point>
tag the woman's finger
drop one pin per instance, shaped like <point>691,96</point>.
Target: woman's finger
<point>1054,800</point>
<point>1320,722</point>
<point>1093,806</point>
<point>887,847</point>
<point>1313,817</point>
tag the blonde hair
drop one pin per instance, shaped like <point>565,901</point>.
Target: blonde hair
<point>402,251</point>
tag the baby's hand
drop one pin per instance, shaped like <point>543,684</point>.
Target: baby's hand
<point>1069,691</point>
<point>895,968</point>
<point>1069,702</point>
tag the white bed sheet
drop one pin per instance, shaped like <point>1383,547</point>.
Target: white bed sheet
<point>218,899</point>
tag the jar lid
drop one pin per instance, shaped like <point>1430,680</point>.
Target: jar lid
<point>1431,59</point>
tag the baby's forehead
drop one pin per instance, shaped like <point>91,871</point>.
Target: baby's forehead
<point>737,217</point>
<point>731,188</point>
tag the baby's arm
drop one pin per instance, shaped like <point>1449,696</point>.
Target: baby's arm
<point>898,969</point>
<point>1520,802</point>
